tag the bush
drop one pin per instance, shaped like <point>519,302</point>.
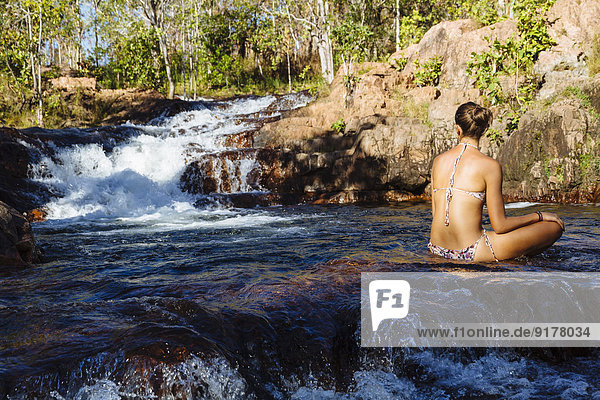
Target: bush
<point>339,126</point>
<point>399,63</point>
<point>429,73</point>
<point>515,57</point>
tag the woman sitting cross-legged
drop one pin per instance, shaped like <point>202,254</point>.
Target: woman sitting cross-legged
<point>463,179</point>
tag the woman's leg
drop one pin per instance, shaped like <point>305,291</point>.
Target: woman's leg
<point>528,240</point>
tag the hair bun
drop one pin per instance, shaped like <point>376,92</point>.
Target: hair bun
<point>473,119</point>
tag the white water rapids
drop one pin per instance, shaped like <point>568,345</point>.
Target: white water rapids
<point>140,178</point>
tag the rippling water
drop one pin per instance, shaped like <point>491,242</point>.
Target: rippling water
<point>141,295</point>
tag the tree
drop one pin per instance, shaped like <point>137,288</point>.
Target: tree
<point>316,17</point>
<point>154,11</point>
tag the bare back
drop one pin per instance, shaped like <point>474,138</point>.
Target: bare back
<point>464,211</point>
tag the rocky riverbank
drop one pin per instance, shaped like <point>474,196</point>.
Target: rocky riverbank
<point>389,130</point>
<point>370,142</point>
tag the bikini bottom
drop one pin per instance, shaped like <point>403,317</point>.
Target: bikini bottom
<point>466,254</point>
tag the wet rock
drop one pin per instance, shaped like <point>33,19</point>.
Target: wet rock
<point>17,245</point>
<point>37,215</point>
<point>223,172</point>
<point>242,140</point>
<point>15,157</point>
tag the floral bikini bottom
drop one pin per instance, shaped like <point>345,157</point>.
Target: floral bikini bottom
<point>466,254</point>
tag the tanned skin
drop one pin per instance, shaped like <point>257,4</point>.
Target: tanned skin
<point>512,236</point>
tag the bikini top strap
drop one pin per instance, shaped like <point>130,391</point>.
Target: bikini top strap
<point>456,164</point>
<point>451,184</point>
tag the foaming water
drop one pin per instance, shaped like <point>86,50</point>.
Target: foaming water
<point>519,204</point>
<point>141,175</point>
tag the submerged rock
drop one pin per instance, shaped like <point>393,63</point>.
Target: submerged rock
<point>17,245</point>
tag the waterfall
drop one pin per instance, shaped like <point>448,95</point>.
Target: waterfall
<point>141,175</point>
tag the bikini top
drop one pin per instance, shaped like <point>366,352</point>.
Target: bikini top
<point>451,188</point>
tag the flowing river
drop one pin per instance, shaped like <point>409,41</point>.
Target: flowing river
<point>149,292</point>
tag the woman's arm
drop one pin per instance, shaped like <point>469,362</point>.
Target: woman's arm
<point>495,203</point>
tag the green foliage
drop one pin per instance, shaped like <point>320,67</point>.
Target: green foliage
<point>135,62</point>
<point>483,11</point>
<point>413,27</point>
<point>428,73</point>
<point>589,164</point>
<point>351,40</point>
<point>339,126</point>
<point>229,47</point>
<point>399,63</point>
<point>495,136</point>
<point>586,101</point>
<point>350,81</point>
<point>514,58</point>
<point>14,53</point>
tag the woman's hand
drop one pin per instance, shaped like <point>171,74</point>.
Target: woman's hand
<point>548,216</point>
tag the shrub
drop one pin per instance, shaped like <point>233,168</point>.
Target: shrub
<point>399,63</point>
<point>516,56</point>
<point>428,74</point>
<point>339,126</point>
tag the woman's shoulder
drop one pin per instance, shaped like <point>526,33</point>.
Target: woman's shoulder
<point>488,161</point>
<point>489,166</point>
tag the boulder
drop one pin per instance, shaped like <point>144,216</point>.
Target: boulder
<point>372,95</point>
<point>453,42</point>
<point>17,245</point>
<point>573,25</point>
<point>555,153</point>
<point>15,158</point>
<point>70,83</point>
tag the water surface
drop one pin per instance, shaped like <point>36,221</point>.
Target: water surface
<point>143,295</point>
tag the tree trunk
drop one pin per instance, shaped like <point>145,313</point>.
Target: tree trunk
<point>163,50</point>
<point>40,113</point>
<point>397,25</point>
<point>287,53</point>
<point>96,31</point>
<point>154,12</point>
<point>191,75</point>
<point>31,54</point>
<point>324,41</point>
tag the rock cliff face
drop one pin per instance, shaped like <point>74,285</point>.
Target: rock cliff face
<point>17,246</point>
<point>574,23</point>
<point>393,129</point>
<point>555,154</point>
